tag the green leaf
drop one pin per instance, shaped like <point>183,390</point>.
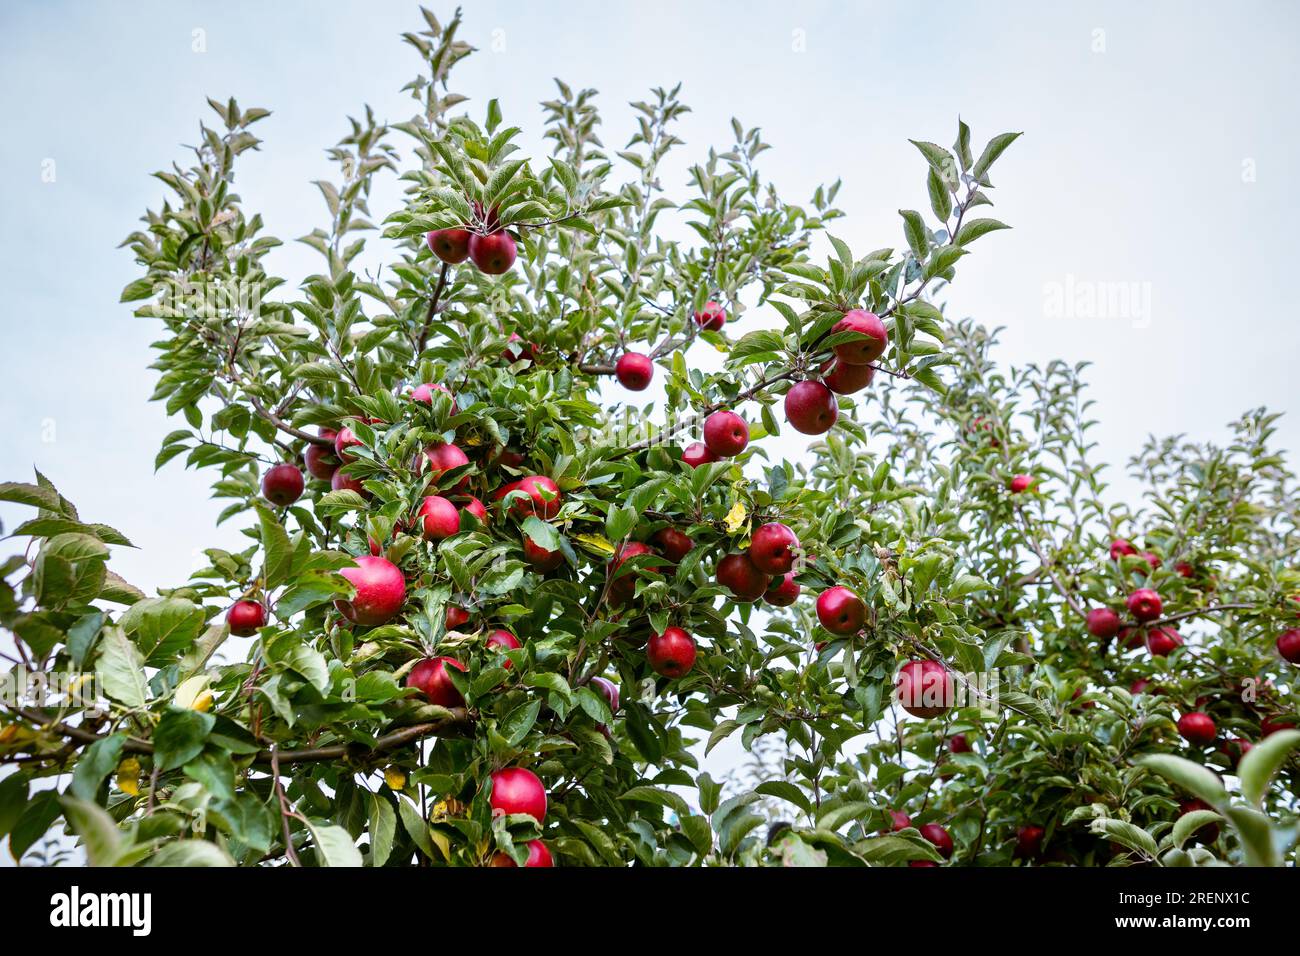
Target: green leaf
<point>972,230</point>
<point>1189,823</point>
<point>13,801</point>
<point>659,797</point>
<point>1258,767</point>
<point>785,791</point>
<point>1192,777</point>
<point>383,829</point>
<point>96,763</point>
<point>1126,834</point>
<point>334,845</point>
<point>180,736</point>
<point>1256,835</point>
<point>918,237</point>
<point>995,148</point>
<point>121,669</point>
<point>191,853</point>
<point>277,552</point>
<point>100,837</point>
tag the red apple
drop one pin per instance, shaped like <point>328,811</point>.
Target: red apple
<point>674,544</point>
<point>517,790</point>
<point>424,393</point>
<point>538,855</point>
<point>517,350</point>
<point>449,245</point>
<point>841,611</point>
<point>623,586</point>
<point>1269,725</point>
<point>862,351</point>
<point>1185,569</point>
<point>725,434</point>
<point>925,688</point>
<point>783,592</point>
<point>443,457</point>
<point>844,379</point>
<point>939,837</point>
<point>736,573</point>
<point>1103,623</point>
<point>320,459</point>
<point>541,559</point>
<point>1151,559</point>
<point>343,440</point>
<point>455,617</point>
<point>773,548</point>
<point>245,617</point>
<point>439,518</point>
<point>543,496</point>
<point>634,371</point>
<point>430,678</point>
<point>712,317</point>
<point>1145,605</point>
<point>1022,483</point>
<point>1120,547</point>
<point>282,484</point>
<point>898,820</point>
<point>810,408</point>
<point>1197,729</point>
<point>1161,641</point>
<point>697,454</point>
<point>607,689</point>
<point>1288,645</point>
<point>492,254</point>
<point>503,640</point>
<point>342,482</point>
<point>958,744</point>
<point>476,508</point>
<point>671,653</point>
<point>381,591</point>
<point>1029,842</point>
<point>1139,686</point>
<point>1234,748</point>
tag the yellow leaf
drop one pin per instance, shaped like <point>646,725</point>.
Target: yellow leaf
<point>203,702</point>
<point>441,842</point>
<point>595,542</point>
<point>128,776</point>
<point>735,517</point>
<point>395,778</point>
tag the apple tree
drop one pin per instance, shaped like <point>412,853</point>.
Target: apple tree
<point>493,611</point>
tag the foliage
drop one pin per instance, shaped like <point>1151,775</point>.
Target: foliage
<point>304,745</point>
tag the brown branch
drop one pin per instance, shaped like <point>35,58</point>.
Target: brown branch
<point>433,310</point>
<point>1198,612</point>
<point>284,426</point>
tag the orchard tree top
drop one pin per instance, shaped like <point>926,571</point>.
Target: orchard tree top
<point>482,618</point>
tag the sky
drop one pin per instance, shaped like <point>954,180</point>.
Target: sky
<point>1157,142</point>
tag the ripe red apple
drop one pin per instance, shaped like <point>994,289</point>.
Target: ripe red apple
<point>245,617</point>
<point>1139,686</point>
<point>861,351</point>
<point>342,482</point>
<point>443,457</point>
<point>430,678</point>
<point>898,821</point>
<point>1120,547</point>
<point>925,688</point>
<point>1185,569</point>
<point>810,408</point>
<point>320,459</point>
<point>697,453</point>
<point>424,393</point>
<point>1103,623</point>
<point>958,744</point>
<point>671,653</point>
<point>841,611</point>
<point>712,317</point>
<point>773,548</point>
<point>518,790</point>
<point>844,379</point>
<point>476,508</point>
<point>1270,725</point>
<point>381,591</point>
<point>517,350</point>
<point>783,592</point>
<point>538,855</point>
<point>622,587</point>
<point>1197,729</point>
<point>1152,559</point>
<point>503,640</point>
<point>1029,842</point>
<point>543,496</point>
<point>634,371</point>
<point>1022,483</point>
<point>455,617</point>
<point>438,517</point>
<point>343,440</point>
<point>725,434</point>
<point>1145,604</point>
<point>449,245</point>
<point>541,559</point>
<point>282,484</point>
<point>674,544</point>
<point>939,837</point>
<point>492,254</point>
<point>1288,645</point>
<point>607,689</point>
<point>736,573</point>
<point>1161,641</point>
<point>1234,748</point>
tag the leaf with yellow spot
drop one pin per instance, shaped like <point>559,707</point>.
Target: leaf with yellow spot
<point>128,776</point>
<point>441,842</point>
<point>395,778</point>
<point>735,517</point>
<point>595,542</point>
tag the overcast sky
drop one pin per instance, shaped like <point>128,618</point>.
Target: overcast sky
<point>1158,142</point>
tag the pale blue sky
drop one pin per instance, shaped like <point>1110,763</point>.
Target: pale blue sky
<point>1160,148</point>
